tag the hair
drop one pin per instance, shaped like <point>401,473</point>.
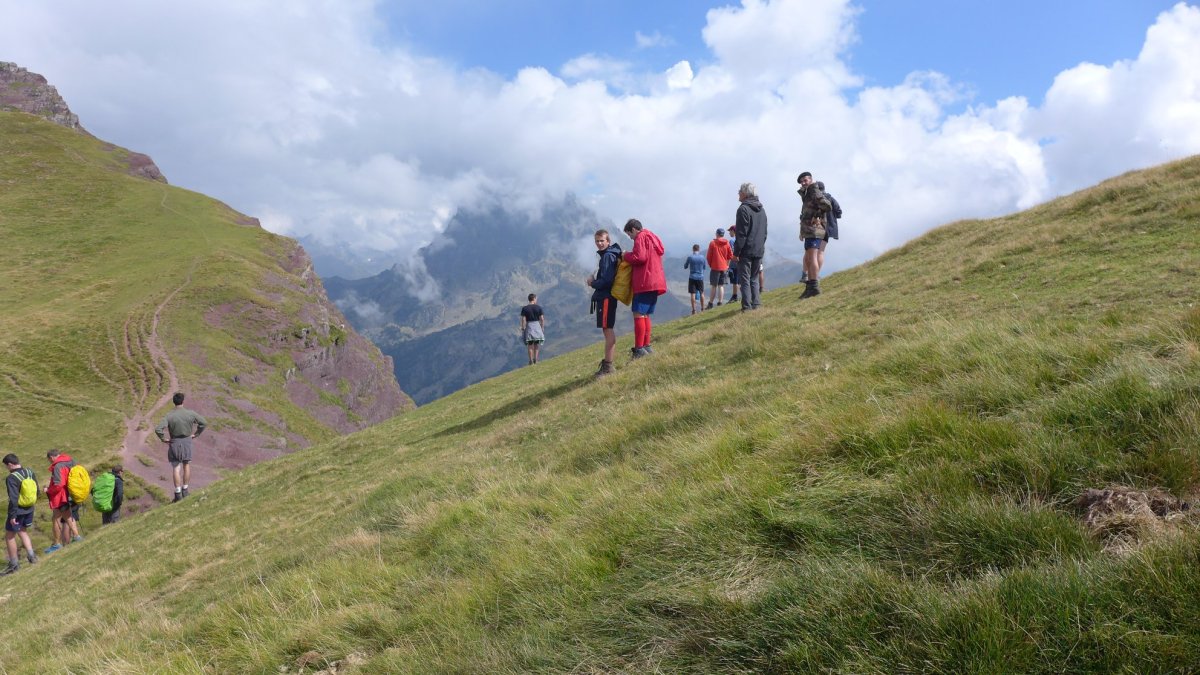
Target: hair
<point>177,399</point>
<point>633,225</point>
<point>532,297</point>
<point>801,176</point>
<point>52,453</point>
<point>820,185</point>
<point>602,232</point>
<point>748,190</point>
<point>11,459</point>
<point>117,468</point>
<point>695,247</point>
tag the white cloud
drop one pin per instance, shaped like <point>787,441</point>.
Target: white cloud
<point>655,39</point>
<point>297,113</point>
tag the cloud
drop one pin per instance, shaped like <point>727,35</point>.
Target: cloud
<point>655,39</point>
<point>304,114</point>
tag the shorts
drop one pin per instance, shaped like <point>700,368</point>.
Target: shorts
<point>606,312</point>
<point>813,242</point>
<point>23,523</point>
<point>643,303</point>
<point>695,286</point>
<point>180,451</point>
<point>718,277</point>
<point>75,512</point>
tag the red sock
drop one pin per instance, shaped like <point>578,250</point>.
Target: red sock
<point>639,332</point>
<point>646,332</point>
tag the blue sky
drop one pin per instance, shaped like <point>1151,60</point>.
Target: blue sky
<point>995,49</point>
<point>369,123</point>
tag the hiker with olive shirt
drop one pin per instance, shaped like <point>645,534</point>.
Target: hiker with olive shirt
<point>180,423</point>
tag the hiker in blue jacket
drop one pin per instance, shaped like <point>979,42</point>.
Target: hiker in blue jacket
<point>604,305</point>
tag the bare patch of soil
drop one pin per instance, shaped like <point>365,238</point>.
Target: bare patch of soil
<point>1124,518</point>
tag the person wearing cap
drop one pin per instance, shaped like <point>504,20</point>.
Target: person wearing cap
<point>751,244</point>
<point>812,230</point>
<point>718,257</point>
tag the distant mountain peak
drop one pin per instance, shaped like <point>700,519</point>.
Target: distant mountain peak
<point>29,92</point>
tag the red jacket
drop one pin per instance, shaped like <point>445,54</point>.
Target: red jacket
<point>719,254</point>
<point>56,489</point>
<point>646,258</point>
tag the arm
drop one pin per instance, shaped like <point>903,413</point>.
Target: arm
<point>837,208</point>
<point>160,430</point>
<point>606,274</point>
<point>201,425</point>
<point>638,255</point>
<point>744,227</point>
<point>14,493</point>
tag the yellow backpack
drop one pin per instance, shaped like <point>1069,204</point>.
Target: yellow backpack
<point>29,490</point>
<point>79,484</point>
<point>622,288</point>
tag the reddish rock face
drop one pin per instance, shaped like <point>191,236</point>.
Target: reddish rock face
<point>23,91</point>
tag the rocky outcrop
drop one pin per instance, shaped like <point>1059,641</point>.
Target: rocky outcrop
<point>23,91</point>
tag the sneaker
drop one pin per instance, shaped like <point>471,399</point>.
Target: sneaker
<point>637,352</point>
<point>710,305</point>
<point>77,538</point>
<point>648,349</point>
<point>12,567</point>
<point>32,559</point>
<point>52,549</point>
<point>606,368</point>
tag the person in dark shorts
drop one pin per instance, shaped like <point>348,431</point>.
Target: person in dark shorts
<point>696,265</point>
<point>533,327</point>
<point>648,279</point>
<point>59,498</point>
<point>604,305</point>
<point>19,518</point>
<point>719,256</point>
<point>177,430</point>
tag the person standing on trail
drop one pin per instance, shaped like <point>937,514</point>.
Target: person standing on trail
<point>108,493</point>
<point>751,244</point>
<point>720,254</point>
<point>696,265</point>
<point>812,231</point>
<point>19,518</point>
<point>649,281</point>
<point>177,430</point>
<point>533,327</point>
<point>604,305</point>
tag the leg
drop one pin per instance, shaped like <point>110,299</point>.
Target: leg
<point>187,473</point>
<point>537,348</point>
<point>10,541</point>
<point>755,282</point>
<point>610,343</point>
<point>28,545</point>
<point>529,349</point>
<point>811,267</point>
<point>744,281</point>
<point>177,476</point>
<point>821,255</point>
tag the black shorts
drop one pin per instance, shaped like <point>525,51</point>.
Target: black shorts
<point>695,285</point>
<point>23,523</point>
<point>606,312</point>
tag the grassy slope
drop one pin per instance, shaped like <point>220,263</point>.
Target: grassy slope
<point>876,480</point>
<point>88,254</point>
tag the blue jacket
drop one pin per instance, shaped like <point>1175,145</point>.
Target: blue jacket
<point>831,217</point>
<point>696,266</point>
<point>606,272</point>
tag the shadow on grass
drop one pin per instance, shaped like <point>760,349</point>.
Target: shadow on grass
<point>519,405</point>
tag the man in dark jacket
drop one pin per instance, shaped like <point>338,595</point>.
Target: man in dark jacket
<point>750,245</point>
<point>604,305</point>
<point>831,225</point>
<point>118,496</point>
<point>812,231</point>
<point>19,518</point>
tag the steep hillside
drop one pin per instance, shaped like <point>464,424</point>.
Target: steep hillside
<point>891,477</point>
<point>115,290</point>
<point>452,320</point>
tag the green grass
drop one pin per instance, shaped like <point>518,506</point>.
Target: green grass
<point>878,480</point>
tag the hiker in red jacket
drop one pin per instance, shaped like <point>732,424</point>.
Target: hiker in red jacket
<point>648,280</point>
<point>720,254</point>
<point>60,499</point>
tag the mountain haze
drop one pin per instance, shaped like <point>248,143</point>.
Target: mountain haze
<point>450,318</point>
<point>967,455</point>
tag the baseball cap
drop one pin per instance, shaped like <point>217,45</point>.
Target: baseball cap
<point>720,232</point>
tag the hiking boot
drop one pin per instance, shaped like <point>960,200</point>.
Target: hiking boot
<point>606,368</point>
<point>52,548</point>
<point>647,349</point>
<point>710,305</point>
<point>810,289</point>
<point>178,497</point>
<point>718,303</point>
<point>12,567</point>
<point>31,558</point>
<point>638,352</point>
<point>185,492</point>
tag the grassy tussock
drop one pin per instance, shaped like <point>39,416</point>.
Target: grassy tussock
<point>882,479</point>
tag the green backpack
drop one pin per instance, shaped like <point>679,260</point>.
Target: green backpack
<point>102,492</point>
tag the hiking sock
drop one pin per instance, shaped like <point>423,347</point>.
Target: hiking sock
<point>639,332</point>
<point>647,331</point>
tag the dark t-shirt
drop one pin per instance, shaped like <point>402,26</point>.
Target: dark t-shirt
<point>532,313</point>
